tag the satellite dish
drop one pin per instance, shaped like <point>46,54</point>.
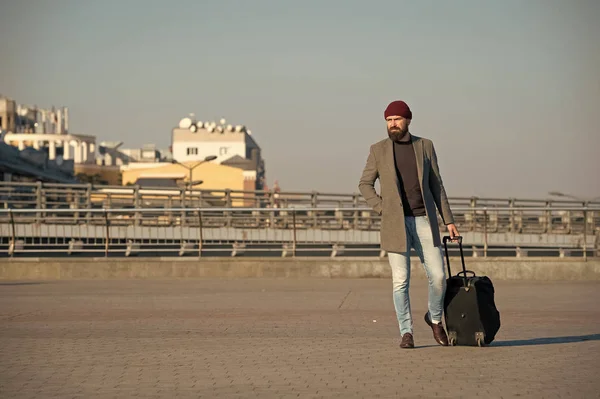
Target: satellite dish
<point>200,124</point>
<point>220,129</point>
<point>239,128</point>
<point>229,128</point>
<point>223,121</point>
<point>211,129</point>
<point>193,128</point>
<point>249,132</point>
<point>185,123</point>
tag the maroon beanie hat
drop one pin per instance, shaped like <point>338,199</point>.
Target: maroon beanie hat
<point>398,108</point>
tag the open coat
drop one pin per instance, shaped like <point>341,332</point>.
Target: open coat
<point>381,165</point>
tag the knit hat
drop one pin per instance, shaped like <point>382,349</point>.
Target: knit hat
<point>398,108</point>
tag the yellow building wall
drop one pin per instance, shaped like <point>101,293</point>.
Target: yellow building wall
<point>215,176</point>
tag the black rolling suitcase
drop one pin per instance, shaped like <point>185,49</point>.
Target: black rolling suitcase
<point>469,307</point>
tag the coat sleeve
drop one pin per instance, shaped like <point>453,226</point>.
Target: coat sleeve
<point>366,184</point>
<point>437,189</point>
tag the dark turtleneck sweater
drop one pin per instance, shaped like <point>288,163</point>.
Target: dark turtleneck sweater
<point>408,177</point>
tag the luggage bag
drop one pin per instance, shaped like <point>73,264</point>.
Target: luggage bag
<point>471,316</point>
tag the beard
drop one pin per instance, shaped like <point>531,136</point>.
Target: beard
<point>397,134</point>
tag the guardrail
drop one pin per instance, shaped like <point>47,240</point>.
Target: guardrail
<point>64,196</point>
<point>498,231</point>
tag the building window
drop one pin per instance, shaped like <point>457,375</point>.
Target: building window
<point>223,150</point>
<point>192,150</point>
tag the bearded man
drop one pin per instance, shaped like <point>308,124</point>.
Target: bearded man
<point>411,189</point>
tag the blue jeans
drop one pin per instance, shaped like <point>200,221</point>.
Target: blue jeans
<point>419,237</point>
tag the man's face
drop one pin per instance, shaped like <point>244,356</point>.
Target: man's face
<point>397,127</point>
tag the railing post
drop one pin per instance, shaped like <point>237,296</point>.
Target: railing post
<point>136,204</point>
<point>294,233</point>
<point>597,244</point>
<point>183,198</point>
<point>485,233</point>
<point>473,204</point>
<point>548,219</point>
<point>200,236</point>
<point>38,200</point>
<point>585,234</point>
<point>511,216</point>
<point>355,205</point>
<point>74,204</point>
<point>106,243</point>
<point>88,201</point>
<point>229,203</point>
<point>13,244</point>
<point>271,205</point>
<point>314,201</point>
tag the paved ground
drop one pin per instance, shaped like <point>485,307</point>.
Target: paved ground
<point>267,338</point>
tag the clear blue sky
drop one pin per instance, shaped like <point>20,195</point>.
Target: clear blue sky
<point>508,90</point>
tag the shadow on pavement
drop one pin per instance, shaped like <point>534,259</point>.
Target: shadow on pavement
<point>548,340</point>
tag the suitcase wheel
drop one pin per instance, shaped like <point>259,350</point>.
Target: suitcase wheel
<point>479,337</point>
<point>452,338</point>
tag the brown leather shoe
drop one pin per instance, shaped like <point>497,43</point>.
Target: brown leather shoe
<point>407,341</point>
<point>439,334</point>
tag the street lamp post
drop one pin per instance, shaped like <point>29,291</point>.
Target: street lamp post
<point>191,168</point>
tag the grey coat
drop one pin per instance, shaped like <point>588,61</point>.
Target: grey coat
<point>381,164</point>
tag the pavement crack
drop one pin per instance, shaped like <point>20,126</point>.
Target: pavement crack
<point>344,300</point>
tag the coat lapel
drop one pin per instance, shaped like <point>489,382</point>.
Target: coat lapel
<point>388,156</point>
<point>420,156</point>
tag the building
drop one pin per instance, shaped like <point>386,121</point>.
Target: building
<point>8,114</point>
<point>45,130</point>
<point>233,146</point>
<point>112,160</point>
<point>44,133</point>
<point>18,118</point>
<point>204,155</point>
<point>30,165</point>
<point>37,146</point>
<point>206,176</point>
<point>111,154</point>
<point>148,153</point>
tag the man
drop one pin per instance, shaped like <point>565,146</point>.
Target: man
<point>411,188</point>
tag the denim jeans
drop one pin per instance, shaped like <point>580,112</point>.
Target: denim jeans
<point>419,237</point>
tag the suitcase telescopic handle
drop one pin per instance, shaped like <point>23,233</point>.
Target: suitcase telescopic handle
<point>462,256</point>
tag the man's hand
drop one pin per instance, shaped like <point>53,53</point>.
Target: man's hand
<point>453,231</point>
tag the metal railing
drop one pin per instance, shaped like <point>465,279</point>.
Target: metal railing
<point>314,231</point>
<point>40,195</point>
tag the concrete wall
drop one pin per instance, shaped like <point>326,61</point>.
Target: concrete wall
<point>151,268</point>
